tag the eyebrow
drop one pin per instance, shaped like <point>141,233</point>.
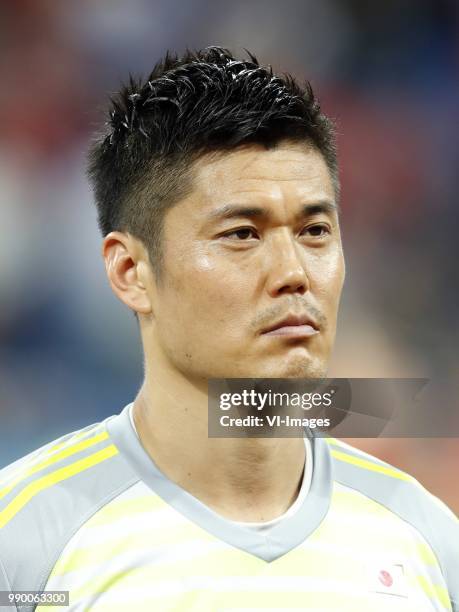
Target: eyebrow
<point>230,211</point>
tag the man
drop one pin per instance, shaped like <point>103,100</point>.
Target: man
<point>217,191</point>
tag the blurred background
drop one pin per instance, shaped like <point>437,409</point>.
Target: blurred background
<point>387,72</point>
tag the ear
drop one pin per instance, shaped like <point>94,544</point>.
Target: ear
<point>128,269</point>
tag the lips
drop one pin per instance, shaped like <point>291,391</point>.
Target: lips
<point>296,323</point>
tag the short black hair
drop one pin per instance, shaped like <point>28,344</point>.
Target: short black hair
<point>200,102</point>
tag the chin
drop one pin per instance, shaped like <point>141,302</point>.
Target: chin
<point>300,371</point>
<point>294,367</point>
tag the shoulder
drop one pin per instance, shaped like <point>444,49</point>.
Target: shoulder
<point>46,495</point>
<point>374,477</point>
<point>405,497</point>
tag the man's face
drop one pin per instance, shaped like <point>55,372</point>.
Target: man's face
<point>231,272</point>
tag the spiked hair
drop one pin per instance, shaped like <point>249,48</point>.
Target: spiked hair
<point>203,101</point>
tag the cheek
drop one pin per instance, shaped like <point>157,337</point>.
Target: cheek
<point>201,284</point>
<point>327,276</point>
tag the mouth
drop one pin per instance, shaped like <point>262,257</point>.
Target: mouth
<point>292,325</point>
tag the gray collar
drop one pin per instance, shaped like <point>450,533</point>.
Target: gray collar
<point>269,545</point>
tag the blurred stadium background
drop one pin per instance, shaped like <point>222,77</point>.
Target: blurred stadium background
<point>387,72</point>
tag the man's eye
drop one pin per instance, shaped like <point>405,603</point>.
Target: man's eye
<point>318,230</point>
<point>241,234</point>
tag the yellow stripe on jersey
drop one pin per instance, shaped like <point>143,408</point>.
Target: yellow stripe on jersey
<point>435,591</point>
<point>39,456</point>
<point>374,467</point>
<point>74,438</point>
<point>366,457</point>
<point>67,452</point>
<point>426,554</point>
<point>50,479</point>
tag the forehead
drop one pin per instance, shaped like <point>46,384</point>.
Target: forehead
<point>290,170</point>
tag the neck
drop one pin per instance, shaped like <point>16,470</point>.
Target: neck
<point>242,479</point>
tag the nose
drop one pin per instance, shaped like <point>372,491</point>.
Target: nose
<point>287,273</point>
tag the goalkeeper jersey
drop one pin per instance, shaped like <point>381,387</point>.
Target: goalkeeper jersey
<point>91,513</point>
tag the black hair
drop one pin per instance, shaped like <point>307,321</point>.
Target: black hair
<point>200,102</point>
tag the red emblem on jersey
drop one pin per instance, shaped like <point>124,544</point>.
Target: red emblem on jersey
<point>385,578</point>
